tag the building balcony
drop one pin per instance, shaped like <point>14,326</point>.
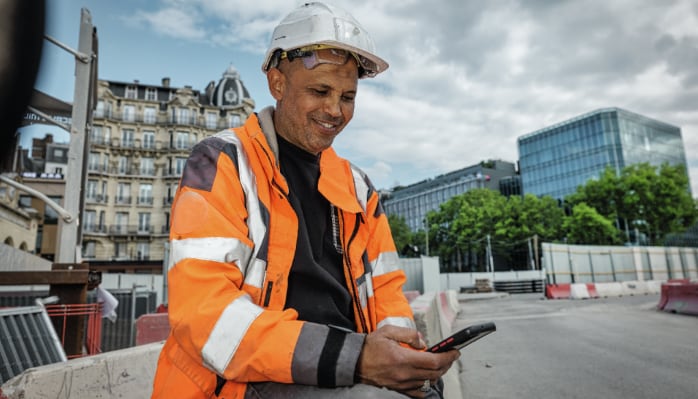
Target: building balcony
<point>145,201</point>
<point>99,169</point>
<point>122,200</point>
<point>150,119</point>
<point>130,229</point>
<point>94,229</point>
<point>97,199</point>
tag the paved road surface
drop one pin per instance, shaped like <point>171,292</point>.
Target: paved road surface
<point>597,348</point>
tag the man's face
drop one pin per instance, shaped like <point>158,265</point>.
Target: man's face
<point>313,105</point>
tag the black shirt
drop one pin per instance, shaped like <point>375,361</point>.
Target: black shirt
<point>316,284</point>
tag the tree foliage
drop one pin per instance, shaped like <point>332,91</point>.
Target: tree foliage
<point>652,200</point>
<point>402,235</point>
<point>587,226</point>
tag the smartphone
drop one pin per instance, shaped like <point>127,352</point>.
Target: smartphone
<point>464,337</point>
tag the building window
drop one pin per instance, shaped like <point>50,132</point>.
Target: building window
<point>143,250</point>
<point>96,135</point>
<point>179,165</point>
<point>148,139</point>
<point>89,224</point>
<point>124,165</point>
<point>144,222</point>
<point>103,109</point>
<point>233,120</point>
<point>25,201</point>
<point>88,249</point>
<point>127,138</point>
<point>50,215</point>
<point>151,94</point>
<point>182,116</point>
<point>145,194</point>
<point>129,113</point>
<point>147,166</point>
<point>149,115</point>
<point>93,162</point>
<point>121,250</point>
<point>211,120</point>
<point>91,190</point>
<point>182,141</point>
<point>131,92</point>
<point>123,193</point>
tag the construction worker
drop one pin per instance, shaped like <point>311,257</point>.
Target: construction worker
<point>283,280</point>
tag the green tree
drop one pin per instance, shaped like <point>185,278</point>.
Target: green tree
<point>654,200</point>
<point>402,235</point>
<point>587,226</point>
<point>521,220</point>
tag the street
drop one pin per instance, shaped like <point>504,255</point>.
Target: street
<point>595,348</point>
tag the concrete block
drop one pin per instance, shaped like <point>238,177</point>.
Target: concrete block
<point>579,291</point>
<point>634,288</point>
<point>126,373</point>
<point>654,286</point>
<point>606,290</point>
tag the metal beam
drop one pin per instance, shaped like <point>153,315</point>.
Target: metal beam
<point>47,118</point>
<point>65,215</point>
<point>67,250</point>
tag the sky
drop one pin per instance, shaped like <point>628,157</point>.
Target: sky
<point>466,78</point>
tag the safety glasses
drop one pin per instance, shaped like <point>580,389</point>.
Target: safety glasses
<point>317,54</point>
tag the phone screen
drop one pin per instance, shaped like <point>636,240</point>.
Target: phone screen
<point>464,337</point>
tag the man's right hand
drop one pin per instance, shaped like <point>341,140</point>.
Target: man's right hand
<point>385,363</point>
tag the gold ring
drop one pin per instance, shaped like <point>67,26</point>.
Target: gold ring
<point>426,386</point>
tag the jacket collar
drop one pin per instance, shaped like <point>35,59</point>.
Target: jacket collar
<point>336,177</point>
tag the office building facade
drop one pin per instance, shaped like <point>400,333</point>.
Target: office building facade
<point>555,160</point>
<point>140,140</point>
<point>414,201</point>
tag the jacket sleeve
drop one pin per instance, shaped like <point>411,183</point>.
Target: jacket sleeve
<point>216,317</point>
<point>392,307</point>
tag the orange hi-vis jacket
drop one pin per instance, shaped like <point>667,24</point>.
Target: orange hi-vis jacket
<point>232,242</point>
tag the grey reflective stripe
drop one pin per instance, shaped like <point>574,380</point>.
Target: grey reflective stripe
<point>398,321</point>
<point>362,188</point>
<point>230,329</point>
<point>217,249</point>
<point>385,263</point>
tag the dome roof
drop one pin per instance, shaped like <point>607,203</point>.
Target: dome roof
<point>230,92</point>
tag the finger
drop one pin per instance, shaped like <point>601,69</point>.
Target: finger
<point>406,335</point>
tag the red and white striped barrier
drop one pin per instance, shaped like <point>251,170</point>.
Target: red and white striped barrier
<point>601,290</point>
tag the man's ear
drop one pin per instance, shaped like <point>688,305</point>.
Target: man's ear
<point>277,83</point>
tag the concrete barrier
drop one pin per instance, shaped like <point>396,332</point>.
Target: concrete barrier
<point>679,297</point>
<point>579,291</point>
<point>608,290</point>
<point>654,286</point>
<point>434,315</point>
<point>632,288</point>
<point>557,291</point>
<point>126,373</point>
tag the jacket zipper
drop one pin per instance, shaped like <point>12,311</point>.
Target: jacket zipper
<point>352,286</point>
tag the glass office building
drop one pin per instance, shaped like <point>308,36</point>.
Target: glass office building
<point>555,160</point>
<point>414,201</point>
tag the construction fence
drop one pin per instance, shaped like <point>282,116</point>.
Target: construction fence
<point>597,264</point>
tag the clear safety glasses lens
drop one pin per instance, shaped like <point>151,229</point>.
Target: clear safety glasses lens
<point>314,57</point>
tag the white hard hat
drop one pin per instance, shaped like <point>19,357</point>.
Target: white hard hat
<point>319,23</point>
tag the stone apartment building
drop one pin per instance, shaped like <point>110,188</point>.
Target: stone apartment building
<point>139,142</point>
